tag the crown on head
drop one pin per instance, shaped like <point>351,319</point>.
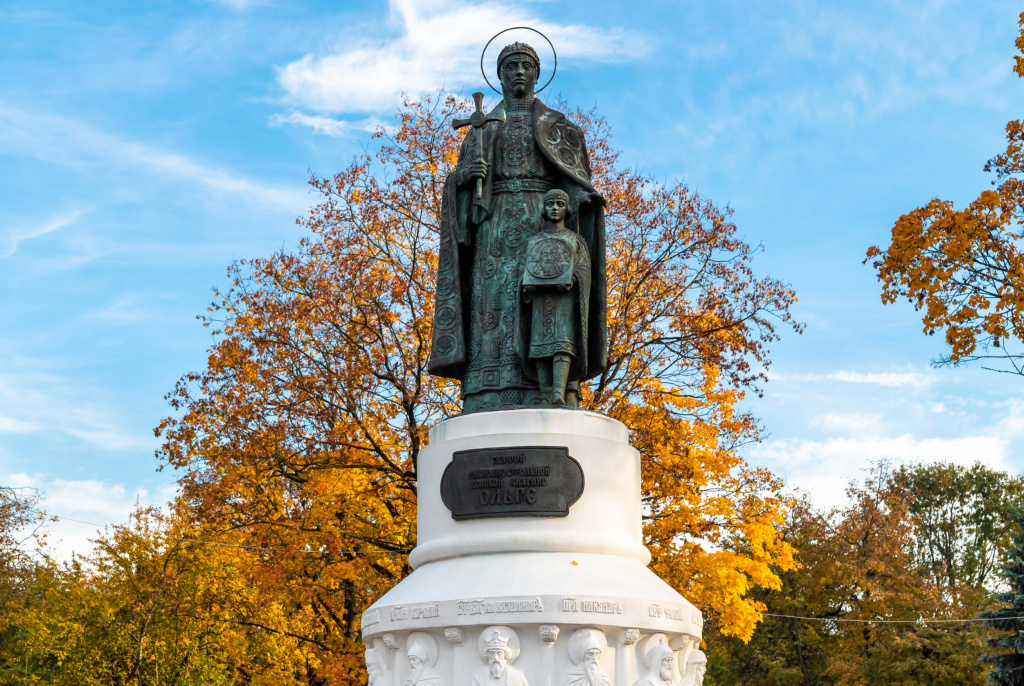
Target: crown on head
<point>496,642</point>
<point>517,48</point>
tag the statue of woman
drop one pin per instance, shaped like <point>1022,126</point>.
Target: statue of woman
<point>556,281</point>
<point>483,237</point>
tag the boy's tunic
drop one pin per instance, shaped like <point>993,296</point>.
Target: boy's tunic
<point>558,268</point>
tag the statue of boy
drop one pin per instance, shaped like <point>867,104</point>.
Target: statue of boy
<point>555,287</point>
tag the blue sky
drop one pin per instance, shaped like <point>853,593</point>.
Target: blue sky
<point>144,146</point>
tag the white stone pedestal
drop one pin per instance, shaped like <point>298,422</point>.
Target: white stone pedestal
<point>554,595</point>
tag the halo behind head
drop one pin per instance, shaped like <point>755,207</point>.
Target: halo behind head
<point>585,640</point>
<point>499,637</point>
<point>655,649</point>
<point>423,646</point>
<point>502,56</point>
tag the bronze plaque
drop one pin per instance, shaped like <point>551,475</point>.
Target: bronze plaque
<point>530,481</point>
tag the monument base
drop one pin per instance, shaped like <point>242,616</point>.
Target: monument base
<point>514,399</point>
<point>528,600</point>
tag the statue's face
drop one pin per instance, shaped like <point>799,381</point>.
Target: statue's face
<point>497,659</point>
<point>519,75</point>
<point>556,209</point>
<point>666,668</point>
<point>415,663</point>
<point>592,655</point>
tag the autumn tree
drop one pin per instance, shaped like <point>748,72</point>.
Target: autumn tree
<point>964,269</point>
<point>303,433</point>
<point>963,526</point>
<point>20,523</point>
<point>1007,659</point>
<point>152,604</point>
<point>865,595</point>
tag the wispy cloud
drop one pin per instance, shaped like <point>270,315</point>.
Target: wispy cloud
<point>829,69</point>
<point>83,507</point>
<point>847,423</point>
<point>68,142</point>
<point>889,379</point>
<point>40,401</point>
<point>438,43</point>
<point>239,4</point>
<point>129,309</point>
<point>16,236</point>
<point>824,468</point>
<point>16,426</point>
<point>326,126</point>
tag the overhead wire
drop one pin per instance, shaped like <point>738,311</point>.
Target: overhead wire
<point>251,547</point>
<point>919,622</point>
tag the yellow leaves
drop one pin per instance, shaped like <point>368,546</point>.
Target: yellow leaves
<point>147,606</point>
<point>1019,42</point>
<point>963,269</point>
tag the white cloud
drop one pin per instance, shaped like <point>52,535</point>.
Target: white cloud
<point>67,142</point>
<point>238,4</point>
<point>889,379</point>
<point>126,310</point>
<point>1012,425</point>
<point>835,421</point>
<point>824,468</point>
<point>82,508</point>
<point>828,69</point>
<point>439,43</point>
<point>325,125</point>
<point>40,401</point>
<point>16,426</point>
<point>16,236</point>
<point>892,379</point>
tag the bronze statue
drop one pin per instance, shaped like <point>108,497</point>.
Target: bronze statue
<point>555,282</point>
<point>492,206</point>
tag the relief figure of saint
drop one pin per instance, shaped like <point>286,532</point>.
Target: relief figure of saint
<point>499,647</point>
<point>696,665</point>
<point>527,150</point>
<point>658,663</point>
<point>422,654</point>
<point>376,669</point>
<point>585,649</point>
<point>556,279</point>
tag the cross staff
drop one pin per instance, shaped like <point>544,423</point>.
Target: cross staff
<point>478,120</point>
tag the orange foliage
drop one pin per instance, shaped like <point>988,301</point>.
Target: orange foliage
<point>303,433</point>
<point>964,269</point>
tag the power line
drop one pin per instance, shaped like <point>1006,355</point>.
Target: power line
<point>884,621</point>
<point>922,622</point>
<point>251,547</point>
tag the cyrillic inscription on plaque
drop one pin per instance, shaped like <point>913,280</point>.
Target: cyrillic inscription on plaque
<point>532,481</point>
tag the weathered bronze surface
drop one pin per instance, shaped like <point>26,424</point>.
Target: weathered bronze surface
<point>492,208</point>
<point>532,481</point>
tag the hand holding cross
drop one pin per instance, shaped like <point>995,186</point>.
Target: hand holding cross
<point>478,120</point>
